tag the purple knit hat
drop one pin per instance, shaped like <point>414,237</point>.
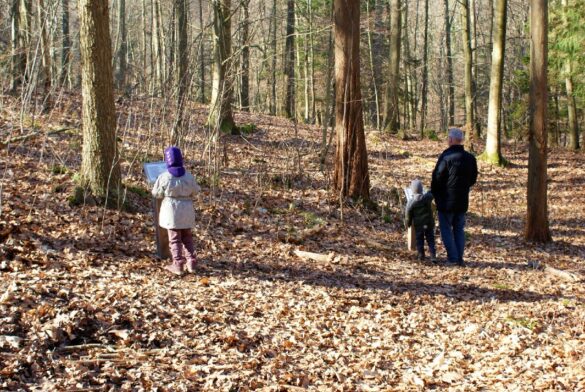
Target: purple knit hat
<point>174,160</point>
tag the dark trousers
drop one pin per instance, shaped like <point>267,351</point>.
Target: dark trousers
<point>181,244</point>
<point>452,227</point>
<point>420,234</point>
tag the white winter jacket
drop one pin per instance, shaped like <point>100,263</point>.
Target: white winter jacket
<point>176,210</point>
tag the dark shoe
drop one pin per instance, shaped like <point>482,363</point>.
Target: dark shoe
<point>434,259</point>
<point>420,257</point>
<point>175,269</point>
<point>461,263</point>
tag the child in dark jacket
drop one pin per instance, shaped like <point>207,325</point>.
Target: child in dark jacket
<point>419,213</point>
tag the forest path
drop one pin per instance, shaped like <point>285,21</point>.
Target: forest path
<point>85,303</point>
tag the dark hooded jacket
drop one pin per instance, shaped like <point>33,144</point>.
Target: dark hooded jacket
<point>454,174</point>
<point>419,211</point>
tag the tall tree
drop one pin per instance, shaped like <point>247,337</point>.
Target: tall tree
<point>425,75</point>
<point>289,62</point>
<point>201,55</point>
<point>469,96</point>
<point>123,46</point>
<point>43,22</point>
<point>245,71</point>
<point>181,9</point>
<point>571,104</point>
<point>15,74</point>
<point>100,169</point>
<point>392,122</point>
<point>493,151</point>
<point>351,176</point>
<point>66,43</point>
<point>273,52</point>
<point>220,109</point>
<point>537,227</point>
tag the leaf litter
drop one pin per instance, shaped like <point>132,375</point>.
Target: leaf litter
<point>85,305</point>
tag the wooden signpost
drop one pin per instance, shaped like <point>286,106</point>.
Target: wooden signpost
<point>152,170</point>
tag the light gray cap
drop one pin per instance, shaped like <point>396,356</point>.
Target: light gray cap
<point>416,187</point>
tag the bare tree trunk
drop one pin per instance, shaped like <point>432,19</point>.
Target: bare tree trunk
<point>43,20</point>
<point>311,62</point>
<point>220,109</point>
<point>450,84</point>
<point>351,176</point>
<point>571,104</point>
<point>201,56</point>
<point>493,151</point>
<point>469,97</point>
<point>273,69</point>
<point>289,62</point>
<point>157,51</point>
<point>245,88</point>
<point>572,109</point>
<point>373,70</point>
<point>144,63</point>
<point>16,71</point>
<point>123,48</point>
<point>100,170</point>
<point>182,10</point>
<point>537,227</point>
<point>66,43</point>
<point>425,75</point>
<point>392,121</point>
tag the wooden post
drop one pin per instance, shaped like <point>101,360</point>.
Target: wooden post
<point>410,234</point>
<point>152,170</point>
<point>162,236</point>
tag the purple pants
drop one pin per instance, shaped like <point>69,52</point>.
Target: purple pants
<point>182,240</point>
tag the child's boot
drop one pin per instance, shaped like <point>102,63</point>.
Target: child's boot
<point>191,264</point>
<point>174,268</point>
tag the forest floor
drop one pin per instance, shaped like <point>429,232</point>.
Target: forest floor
<point>85,304</point>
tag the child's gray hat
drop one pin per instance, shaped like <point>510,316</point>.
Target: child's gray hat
<point>416,187</point>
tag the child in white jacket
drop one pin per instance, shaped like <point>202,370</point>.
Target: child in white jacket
<point>177,187</point>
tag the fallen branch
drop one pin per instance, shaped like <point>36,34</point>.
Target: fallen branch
<point>565,275</point>
<point>315,256</point>
<point>298,238</point>
<point>31,135</point>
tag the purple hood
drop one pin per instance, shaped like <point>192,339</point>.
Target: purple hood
<point>174,161</point>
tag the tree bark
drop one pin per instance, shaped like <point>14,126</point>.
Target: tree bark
<point>182,77</point>
<point>537,226</point>
<point>273,69</point>
<point>100,170</point>
<point>245,87</point>
<point>469,98</point>
<point>425,75</point>
<point>450,84</point>
<point>351,176</point>
<point>43,20</point>
<point>16,71</point>
<point>157,52</point>
<point>571,104</point>
<point>66,43</point>
<point>201,56</point>
<point>493,152</point>
<point>289,62</point>
<point>220,109</point>
<point>123,48</point>
<point>392,121</point>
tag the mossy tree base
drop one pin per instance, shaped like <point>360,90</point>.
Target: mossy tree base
<point>494,159</point>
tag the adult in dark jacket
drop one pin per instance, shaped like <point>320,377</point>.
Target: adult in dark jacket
<point>454,174</point>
